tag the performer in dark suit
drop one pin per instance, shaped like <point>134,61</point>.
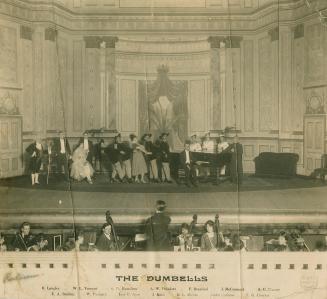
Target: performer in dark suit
<point>235,168</point>
<point>35,152</point>
<point>158,237</point>
<point>188,163</point>
<point>106,241</point>
<point>63,153</point>
<point>23,240</point>
<point>151,157</point>
<point>164,158</point>
<point>88,146</point>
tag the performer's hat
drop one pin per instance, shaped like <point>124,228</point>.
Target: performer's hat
<point>146,135</point>
<point>86,132</point>
<point>118,135</point>
<point>194,135</point>
<point>132,136</point>
<point>187,141</point>
<point>164,134</point>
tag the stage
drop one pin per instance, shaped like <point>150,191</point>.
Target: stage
<point>258,200</point>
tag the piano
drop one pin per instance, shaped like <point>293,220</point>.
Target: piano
<point>214,160</point>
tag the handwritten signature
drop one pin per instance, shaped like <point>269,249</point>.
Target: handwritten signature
<point>9,276</point>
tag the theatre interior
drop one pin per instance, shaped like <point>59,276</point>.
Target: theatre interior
<point>250,75</point>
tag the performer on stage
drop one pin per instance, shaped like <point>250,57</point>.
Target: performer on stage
<point>195,145</point>
<point>23,240</point>
<point>164,158</point>
<point>88,147</point>
<point>106,240</point>
<point>35,152</point>
<point>235,168</point>
<point>221,148</point>
<point>81,168</point>
<point>151,157</point>
<point>63,154</point>
<point>208,145</point>
<point>158,238</point>
<point>139,168</point>
<point>188,163</point>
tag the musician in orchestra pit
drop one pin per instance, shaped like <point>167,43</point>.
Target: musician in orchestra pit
<point>35,152</point>
<point>23,240</point>
<point>41,243</point>
<point>88,147</point>
<point>185,239</point>
<point>209,240</point>
<point>188,163</point>
<point>106,241</point>
<point>156,229</point>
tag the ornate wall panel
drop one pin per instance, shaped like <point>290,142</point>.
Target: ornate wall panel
<point>128,106</point>
<point>197,107</point>
<point>28,86</point>
<point>286,81</point>
<point>265,85</point>
<point>8,55</point>
<point>92,104</point>
<point>298,76</point>
<point>78,48</point>
<point>314,41</point>
<point>248,61</point>
<point>39,100</point>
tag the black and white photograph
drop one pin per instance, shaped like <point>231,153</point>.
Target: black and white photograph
<point>163,149</point>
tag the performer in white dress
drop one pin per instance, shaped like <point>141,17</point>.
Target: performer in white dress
<point>81,168</point>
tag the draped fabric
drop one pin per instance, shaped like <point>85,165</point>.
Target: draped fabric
<point>163,108</point>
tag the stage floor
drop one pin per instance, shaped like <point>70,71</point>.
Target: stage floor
<point>267,200</point>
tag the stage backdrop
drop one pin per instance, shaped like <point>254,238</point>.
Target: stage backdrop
<point>163,108</point>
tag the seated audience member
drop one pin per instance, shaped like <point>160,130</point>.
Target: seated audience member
<point>3,246</point>
<point>227,245</point>
<point>35,152</point>
<point>237,243</point>
<point>185,239</point>
<point>195,145</point>
<point>209,240</point>
<point>164,158</point>
<point>88,147</point>
<point>62,152</point>
<point>81,168</point>
<point>41,243</point>
<point>139,168</point>
<point>23,239</point>
<point>156,229</point>
<point>208,145</point>
<point>79,242</point>
<point>236,165</point>
<point>106,240</point>
<point>151,157</point>
<point>188,164</point>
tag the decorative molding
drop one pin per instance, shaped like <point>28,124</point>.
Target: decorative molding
<point>26,32</point>
<point>274,34</point>
<point>315,104</point>
<point>100,41</point>
<point>50,34</point>
<point>299,31</point>
<point>225,41</point>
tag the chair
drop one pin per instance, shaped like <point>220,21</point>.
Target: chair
<point>322,171</point>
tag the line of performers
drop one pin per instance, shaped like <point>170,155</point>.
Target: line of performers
<point>139,161</point>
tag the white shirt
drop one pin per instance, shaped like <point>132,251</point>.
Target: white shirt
<point>195,147</point>
<point>49,150</point>
<point>208,146</point>
<point>187,160</point>
<point>86,144</point>
<point>62,146</point>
